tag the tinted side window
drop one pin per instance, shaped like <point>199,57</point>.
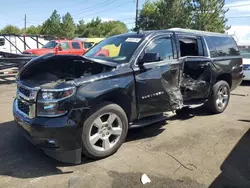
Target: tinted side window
<point>76,45</point>
<point>65,45</point>
<point>163,46</point>
<point>2,42</point>
<point>225,46</point>
<point>211,47</point>
<point>88,45</point>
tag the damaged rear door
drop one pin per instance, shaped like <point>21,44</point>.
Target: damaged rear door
<point>196,78</point>
<point>157,78</point>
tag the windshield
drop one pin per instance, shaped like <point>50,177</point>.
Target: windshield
<point>50,45</point>
<point>118,49</point>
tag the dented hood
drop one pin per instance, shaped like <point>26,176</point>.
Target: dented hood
<point>51,57</point>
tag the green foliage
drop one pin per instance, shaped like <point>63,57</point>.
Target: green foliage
<point>68,27</point>
<point>10,29</point>
<point>194,14</point>
<point>97,28</point>
<point>32,30</point>
<point>209,15</point>
<point>52,26</point>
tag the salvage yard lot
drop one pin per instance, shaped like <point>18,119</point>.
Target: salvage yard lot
<point>199,150</point>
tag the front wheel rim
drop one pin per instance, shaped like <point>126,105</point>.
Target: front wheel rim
<point>222,97</point>
<point>105,132</point>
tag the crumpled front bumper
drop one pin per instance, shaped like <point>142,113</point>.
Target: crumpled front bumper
<point>59,137</point>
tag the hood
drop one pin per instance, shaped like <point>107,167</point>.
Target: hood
<point>53,69</point>
<point>39,51</point>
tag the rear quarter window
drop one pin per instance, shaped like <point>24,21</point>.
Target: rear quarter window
<point>224,46</point>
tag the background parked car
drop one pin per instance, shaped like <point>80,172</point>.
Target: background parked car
<point>59,47</point>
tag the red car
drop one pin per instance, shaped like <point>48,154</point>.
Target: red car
<point>59,47</point>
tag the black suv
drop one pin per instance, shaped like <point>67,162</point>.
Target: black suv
<point>68,105</point>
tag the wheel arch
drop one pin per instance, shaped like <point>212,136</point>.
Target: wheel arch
<point>227,77</point>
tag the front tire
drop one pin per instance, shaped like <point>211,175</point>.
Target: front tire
<point>104,131</point>
<point>219,97</point>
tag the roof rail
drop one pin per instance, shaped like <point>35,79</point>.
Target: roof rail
<point>195,31</point>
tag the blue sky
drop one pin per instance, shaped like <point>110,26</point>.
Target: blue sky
<point>13,11</point>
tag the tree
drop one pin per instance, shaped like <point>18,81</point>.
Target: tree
<point>33,30</point>
<point>164,14</point>
<point>97,28</point>
<point>68,26</point>
<point>111,28</point>
<point>10,29</point>
<point>209,15</point>
<point>52,26</point>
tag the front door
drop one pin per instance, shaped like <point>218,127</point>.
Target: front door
<point>65,48</point>
<point>157,83</point>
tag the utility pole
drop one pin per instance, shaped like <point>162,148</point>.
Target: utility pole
<point>25,23</point>
<point>136,17</point>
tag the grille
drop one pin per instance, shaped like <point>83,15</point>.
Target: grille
<point>246,67</point>
<point>24,91</point>
<point>24,107</point>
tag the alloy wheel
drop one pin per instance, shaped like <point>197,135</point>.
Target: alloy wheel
<point>105,132</point>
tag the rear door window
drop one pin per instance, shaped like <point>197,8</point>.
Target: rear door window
<point>225,46</point>
<point>2,41</point>
<point>76,45</point>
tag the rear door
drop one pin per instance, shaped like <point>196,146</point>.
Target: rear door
<point>157,83</point>
<point>76,48</point>
<point>65,48</point>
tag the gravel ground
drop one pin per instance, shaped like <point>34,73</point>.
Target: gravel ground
<point>194,150</point>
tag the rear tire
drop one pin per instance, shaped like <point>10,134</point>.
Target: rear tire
<point>104,131</point>
<point>219,98</point>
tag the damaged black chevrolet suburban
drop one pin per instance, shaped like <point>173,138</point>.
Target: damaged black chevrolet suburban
<point>68,105</point>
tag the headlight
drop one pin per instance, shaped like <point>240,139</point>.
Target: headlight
<point>49,100</point>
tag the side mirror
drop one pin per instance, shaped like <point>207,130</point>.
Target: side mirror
<point>60,48</point>
<point>148,58</point>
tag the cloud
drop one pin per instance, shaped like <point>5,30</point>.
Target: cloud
<point>241,34</point>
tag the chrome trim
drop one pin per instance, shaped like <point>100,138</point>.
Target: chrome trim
<point>56,90</point>
<point>32,108</point>
<point>58,115</point>
<point>27,87</point>
<point>22,96</point>
<point>19,111</point>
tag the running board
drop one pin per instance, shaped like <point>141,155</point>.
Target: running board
<point>147,121</point>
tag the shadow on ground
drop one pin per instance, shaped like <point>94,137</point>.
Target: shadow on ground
<point>21,159</point>
<point>245,83</point>
<point>235,170</point>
